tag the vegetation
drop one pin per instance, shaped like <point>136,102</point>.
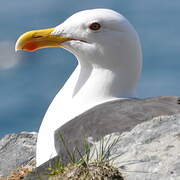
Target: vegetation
<point>19,174</point>
<point>94,164</point>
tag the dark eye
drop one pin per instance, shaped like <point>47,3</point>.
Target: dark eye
<point>95,26</point>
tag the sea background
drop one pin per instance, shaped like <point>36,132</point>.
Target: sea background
<point>29,81</point>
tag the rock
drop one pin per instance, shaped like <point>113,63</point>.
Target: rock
<point>115,116</point>
<point>150,151</point>
<point>17,150</point>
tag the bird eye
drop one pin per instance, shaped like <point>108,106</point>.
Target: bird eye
<point>95,26</point>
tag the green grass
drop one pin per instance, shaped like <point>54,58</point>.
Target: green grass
<point>94,163</point>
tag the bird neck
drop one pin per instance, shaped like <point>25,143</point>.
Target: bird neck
<point>90,85</point>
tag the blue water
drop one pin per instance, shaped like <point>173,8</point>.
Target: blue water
<point>27,88</point>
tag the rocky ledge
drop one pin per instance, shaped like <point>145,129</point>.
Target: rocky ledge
<point>17,150</point>
<point>150,150</point>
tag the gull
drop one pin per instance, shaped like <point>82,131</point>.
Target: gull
<point>109,56</point>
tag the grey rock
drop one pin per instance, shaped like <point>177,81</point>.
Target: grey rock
<point>150,151</point>
<point>115,116</point>
<point>17,150</point>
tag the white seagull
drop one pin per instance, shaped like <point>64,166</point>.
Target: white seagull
<point>109,57</point>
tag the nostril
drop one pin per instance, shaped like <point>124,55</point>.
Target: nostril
<point>37,36</point>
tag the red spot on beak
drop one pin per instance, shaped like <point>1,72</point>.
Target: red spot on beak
<point>31,46</point>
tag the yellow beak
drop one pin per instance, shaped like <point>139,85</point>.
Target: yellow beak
<point>38,39</point>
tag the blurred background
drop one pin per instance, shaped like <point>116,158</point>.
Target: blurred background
<point>29,81</point>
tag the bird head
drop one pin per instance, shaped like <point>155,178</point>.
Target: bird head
<point>91,34</point>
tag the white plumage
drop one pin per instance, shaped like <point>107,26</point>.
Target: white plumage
<point>109,67</point>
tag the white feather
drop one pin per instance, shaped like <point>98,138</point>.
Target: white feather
<point>109,67</point>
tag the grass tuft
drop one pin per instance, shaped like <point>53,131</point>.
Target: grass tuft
<point>94,163</point>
